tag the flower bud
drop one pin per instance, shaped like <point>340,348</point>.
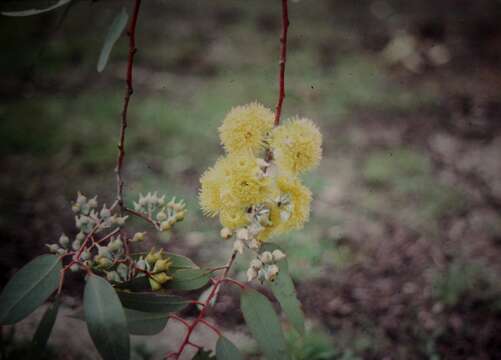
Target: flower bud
<point>61,251</point>
<point>243,234</point>
<point>272,273</point>
<point>80,236</point>
<point>74,267</point>
<point>103,251</point>
<point>115,245</point>
<point>256,264</point>
<point>238,246</point>
<point>226,233</point>
<point>251,274</point>
<point>266,257</point>
<point>138,237</point>
<point>153,256</point>
<point>162,265</point>
<point>53,248</point>
<point>120,220</point>
<point>102,261</point>
<point>75,245</point>
<point>278,255</point>
<point>85,255</point>
<point>180,215</point>
<point>112,276</point>
<point>165,226</point>
<point>105,212</point>
<point>161,216</point>
<point>75,208</point>
<point>64,240</point>
<point>161,278</point>
<point>155,286</point>
<point>81,199</point>
<point>123,271</point>
<point>141,264</point>
<point>93,202</point>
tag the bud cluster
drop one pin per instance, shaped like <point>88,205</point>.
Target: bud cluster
<point>156,264</point>
<point>163,215</point>
<point>264,266</point>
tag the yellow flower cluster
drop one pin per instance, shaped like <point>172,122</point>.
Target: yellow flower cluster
<point>261,197</point>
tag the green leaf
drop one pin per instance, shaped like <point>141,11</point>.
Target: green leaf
<point>188,279</point>
<point>35,11</point>
<point>284,291</point>
<point>106,320</point>
<point>264,324</point>
<point>143,323</point>
<point>225,350</point>
<point>151,302</point>
<point>114,32</point>
<point>45,326</point>
<point>29,288</point>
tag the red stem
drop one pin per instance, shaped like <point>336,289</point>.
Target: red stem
<point>203,312</point>
<point>129,90</point>
<point>283,58</point>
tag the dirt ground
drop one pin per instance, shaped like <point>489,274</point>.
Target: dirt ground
<point>401,257</point>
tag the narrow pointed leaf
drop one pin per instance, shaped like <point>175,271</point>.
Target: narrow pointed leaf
<point>45,326</point>
<point>29,288</point>
<point>151,302</point>
<point>35,11</point>
<point>114,32</point>
<point>264,324</point>
<point>188,279</point>
<point>284,291</point>
<point>225,350</point>
<point>106,319</point>
<point>143,323</point>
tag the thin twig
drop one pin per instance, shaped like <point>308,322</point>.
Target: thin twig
<point>129,90</point>
<point>283,59</point>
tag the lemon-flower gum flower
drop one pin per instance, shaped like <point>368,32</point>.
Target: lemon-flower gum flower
<point>245,183</point>
<point>297,145</point>
<point>245,127</point>
<point>299,207</point>
<point>234,218</point>
<point>211,184</point>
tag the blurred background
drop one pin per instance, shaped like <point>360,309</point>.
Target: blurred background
<point>401,257</point>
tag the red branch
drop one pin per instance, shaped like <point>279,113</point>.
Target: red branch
<point>283,58</point>
<point>129,90</point>
<point>203,312</point>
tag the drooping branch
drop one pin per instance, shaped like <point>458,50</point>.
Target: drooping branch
<point>283,59</point>
<point>129,90</point>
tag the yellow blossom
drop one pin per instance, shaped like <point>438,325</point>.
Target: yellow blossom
<point>297,145</point>
<point>234,218</point>
<point>246,184</point>
<point>210,191</point>
<point>298,210</point>
<point>245,127</point>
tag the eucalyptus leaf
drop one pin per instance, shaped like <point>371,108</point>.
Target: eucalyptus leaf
<point>116,28</point>
<point>284,291</point>
<point>145,323</point>
<point>29,288</point>
<point>151,302</point>
<point>45,326</point>
<point>106,319</point>
<point>225,350</point>
<point>31,12</point>
<point>188,279</point>
<point>264,324</point>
